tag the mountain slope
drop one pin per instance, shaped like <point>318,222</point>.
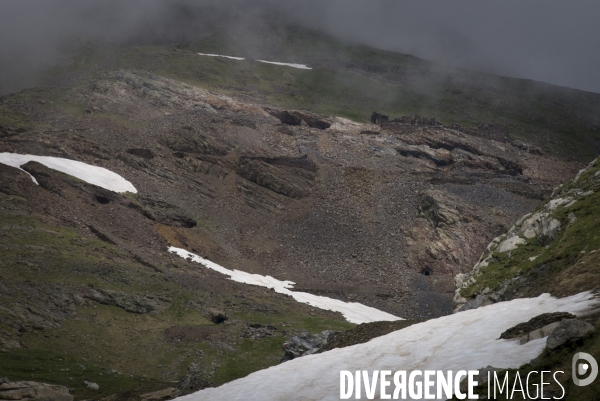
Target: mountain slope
<point>351,80</point>
<point>229,164</point>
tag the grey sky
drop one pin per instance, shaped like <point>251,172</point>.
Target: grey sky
<point>547,40</point>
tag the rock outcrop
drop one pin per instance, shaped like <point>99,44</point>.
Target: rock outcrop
<point>133,303</point>
<point>305,344</point>
<point>541,226</point>
<point>568,331</point>
<point>536,323</point>
<point>291,177</point>
<point>526,243</point>
<point>297,117</point>
<point>33,391</point>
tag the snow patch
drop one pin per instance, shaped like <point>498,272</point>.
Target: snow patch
<point>352,311</point>
<point>301,66</point>
<point>220,55</point>
<point>466,340</point>
<point>94,175</point>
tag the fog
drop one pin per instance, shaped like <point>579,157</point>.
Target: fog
<point>546,40</point>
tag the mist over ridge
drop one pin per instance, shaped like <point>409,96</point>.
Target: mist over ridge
<point>548,41</point>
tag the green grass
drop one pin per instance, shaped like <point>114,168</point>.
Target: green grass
<point>103,337</point>
<point>47,366</point>
<point>249,356</point>
<point>502,267</point>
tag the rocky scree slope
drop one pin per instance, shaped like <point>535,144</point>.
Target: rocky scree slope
<point>341,205</point>
<point>359,212</point>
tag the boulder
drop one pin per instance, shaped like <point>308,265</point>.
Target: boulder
<point>92,385</point>
<point>285,116</point>
<point>312,120</point>
<point>539,333</point>
<point>305,344</point>
<point>569,331</point>
<point>33,391</point>
<point>541,225</point>
<point>377,118</point>
<point>511,244</point>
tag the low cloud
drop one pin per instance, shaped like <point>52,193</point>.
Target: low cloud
<point>547,40</point>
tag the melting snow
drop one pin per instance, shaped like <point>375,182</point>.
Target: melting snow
<point>220,55</point>
<point>352,311</point>
<point>301,66</point>
<point>466,340</point>
<point>91,174</point>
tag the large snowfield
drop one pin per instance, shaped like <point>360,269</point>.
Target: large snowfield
<point>95,175</point>
<point>352,311</point>
<point>462,341</point>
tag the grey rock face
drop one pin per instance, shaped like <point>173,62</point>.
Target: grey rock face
<point>511,244</point>
<point>33,391</point>
<point>536,323</point>
<point>541,225</point>
<point>133,303</point>
<point>305,344</point>
<point>539,333</point>
<point>568,331</point>
<point>291,177</point>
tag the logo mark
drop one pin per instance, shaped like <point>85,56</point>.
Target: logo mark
<point>580,369</point>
